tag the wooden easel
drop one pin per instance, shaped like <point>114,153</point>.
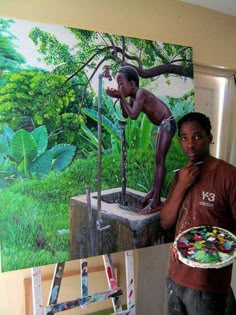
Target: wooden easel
<point>114,291</point>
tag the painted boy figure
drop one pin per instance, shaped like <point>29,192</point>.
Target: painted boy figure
<point>142,100</point>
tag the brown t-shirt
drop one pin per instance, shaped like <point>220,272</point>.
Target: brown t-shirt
<point>210,201</point>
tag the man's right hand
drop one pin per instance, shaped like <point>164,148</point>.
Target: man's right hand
<point>188,176</point>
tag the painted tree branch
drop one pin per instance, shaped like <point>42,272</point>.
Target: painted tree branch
<point>120,55</point>
<point>144,73</point>
<point>90,78</point>
<point>164,69</point>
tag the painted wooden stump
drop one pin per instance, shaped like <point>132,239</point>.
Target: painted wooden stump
<point>123,229</point>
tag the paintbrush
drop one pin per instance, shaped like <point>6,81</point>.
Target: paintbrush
<point>178,169</point>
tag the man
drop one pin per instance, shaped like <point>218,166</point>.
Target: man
<point>142,100</point>
<point>201,194</point>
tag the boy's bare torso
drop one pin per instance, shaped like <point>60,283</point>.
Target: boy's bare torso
<point>153,107</point>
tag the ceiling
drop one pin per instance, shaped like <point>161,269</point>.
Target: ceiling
<point>223,6</point>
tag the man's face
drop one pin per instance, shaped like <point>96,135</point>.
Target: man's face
<point>123,84</point>
<point>194,141</point>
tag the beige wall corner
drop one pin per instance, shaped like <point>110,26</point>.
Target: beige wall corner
<point>211,34</point>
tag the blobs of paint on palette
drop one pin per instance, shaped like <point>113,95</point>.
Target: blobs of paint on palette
<point>206,245</point>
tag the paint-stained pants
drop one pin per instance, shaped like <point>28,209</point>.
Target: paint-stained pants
<point>186,301</point>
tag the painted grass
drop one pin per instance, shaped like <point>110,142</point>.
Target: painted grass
<point>29,232</point>
<point>34,214</point>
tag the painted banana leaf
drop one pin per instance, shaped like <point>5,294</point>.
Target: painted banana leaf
<point>40,135</point>
<point>114,110</point>
<point>90,136</point>
<point>9,133</point>
<point>89,143</point>
<point>2,183</point>
<point>145,133</point>
<point>62,155</point>
<point>42,165</point>
<point>5,140</point>
<point>115,145</point>
<point>180,108</point>
<point>4,147</point>
<point>23,147</point>
<point>2,159</point>
<point>106,123</point>
<point>138,132</point>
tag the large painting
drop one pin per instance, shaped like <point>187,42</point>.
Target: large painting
<point>88,141</point>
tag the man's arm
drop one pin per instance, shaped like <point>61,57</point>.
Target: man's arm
<point>170,211</point>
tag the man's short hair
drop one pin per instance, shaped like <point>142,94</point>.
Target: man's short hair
<point>130,73</point>
<point>202,119</point>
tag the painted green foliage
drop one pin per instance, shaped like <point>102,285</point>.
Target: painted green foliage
<point>65,100</point>
<point>150,58</point>
<point>141,134</point>
<point>33,97</point>
<point>25,154</point>
<point>10,59</point>
<point>94,50</point>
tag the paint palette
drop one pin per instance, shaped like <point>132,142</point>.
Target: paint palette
<point>206,247</point>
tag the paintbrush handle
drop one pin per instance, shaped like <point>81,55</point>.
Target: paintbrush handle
<point>178,169</point>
